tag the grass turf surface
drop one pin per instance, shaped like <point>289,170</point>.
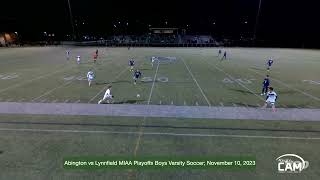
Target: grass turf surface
<point>36,155</point>
<point>198,77</point>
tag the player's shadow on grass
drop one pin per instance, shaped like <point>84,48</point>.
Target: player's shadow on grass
<point>133,101</point>
<point>113,82</point>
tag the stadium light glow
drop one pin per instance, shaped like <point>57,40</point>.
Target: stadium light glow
<point>257,22</point>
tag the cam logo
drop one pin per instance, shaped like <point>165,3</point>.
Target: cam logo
<point>291,163</point>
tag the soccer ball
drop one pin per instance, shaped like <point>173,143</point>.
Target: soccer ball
<point>138,95</point>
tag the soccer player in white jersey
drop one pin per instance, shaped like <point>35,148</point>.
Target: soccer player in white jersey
<point>78,59</point>
<point>68,54</point>
<point>153,59</point>
<point>107,96</point>
<point>271,99</point>
<point>90,77</point>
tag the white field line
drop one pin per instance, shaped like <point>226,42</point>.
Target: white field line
<point>194,79</point>
<point>144,118</point>
<point>29,81</point>
<point>154,80</point>
<point>51,91</point>
<point>94,97</point>
<point>290,87</point>
<point>155,133</point>
<point>242,85</point>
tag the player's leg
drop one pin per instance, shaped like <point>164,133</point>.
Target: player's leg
<point>265,105</point>
<point>273,107</point>
<point>266,90</point>
<point>263,90</point>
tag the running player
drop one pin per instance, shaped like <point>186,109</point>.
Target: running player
<point>153,59</point>
<point>97,52</point>
<point>219,52</point>
<point>95,56</point>
<point>265,83</point>
<point>224,55</point>
<point>269,63</point>
<point>271,99</point>
<point>78,59</point>
<point>136,75</point>
<point>131,64</point>
<point>107,96</point>
<point>90,77</point>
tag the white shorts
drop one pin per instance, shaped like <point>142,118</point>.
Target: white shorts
<point>107,97</point>
<point>270,102</point>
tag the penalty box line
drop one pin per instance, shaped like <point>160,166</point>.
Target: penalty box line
<point>290,87</point>
<point>155,133</point>
<point>231,77</point>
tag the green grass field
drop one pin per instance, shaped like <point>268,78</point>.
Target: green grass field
<point>196,77</point>
<point>33,146</point>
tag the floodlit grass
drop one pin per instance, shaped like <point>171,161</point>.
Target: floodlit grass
<point>198,77</point>
<point>36,155</point>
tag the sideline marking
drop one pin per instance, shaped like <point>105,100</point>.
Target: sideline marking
<point>144,118</point>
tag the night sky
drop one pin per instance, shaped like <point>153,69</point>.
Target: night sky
<point>280,20</point>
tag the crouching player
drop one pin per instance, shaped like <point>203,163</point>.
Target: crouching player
<point>90,77</point>
<point>271,99</point>
<point>107,96</point>
<point>136,75</point>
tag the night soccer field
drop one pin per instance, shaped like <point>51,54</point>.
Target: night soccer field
<point>195,77</point>
<point>33,146</point>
